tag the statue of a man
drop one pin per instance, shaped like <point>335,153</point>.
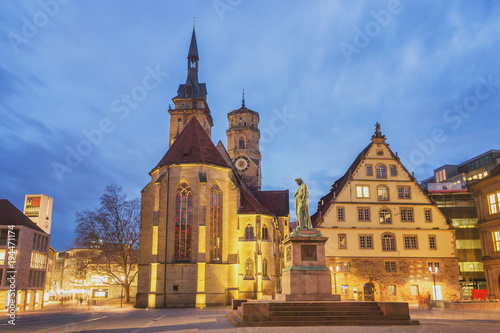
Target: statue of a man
<point>302,206</point>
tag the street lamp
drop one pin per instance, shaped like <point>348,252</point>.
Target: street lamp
<point>335,277</point>
<point>434,272</point>
<point>121,297</point>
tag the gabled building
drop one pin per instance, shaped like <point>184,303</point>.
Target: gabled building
<point>487,196</point>
<point>385,234</point>
<point>24,249</point>
<point>208,233</point>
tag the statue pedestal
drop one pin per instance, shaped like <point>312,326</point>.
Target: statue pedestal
<point>305,276</point>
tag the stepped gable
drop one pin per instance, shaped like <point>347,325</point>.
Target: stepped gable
<point>275,201</point>
<point>10,215</point>
<point>193,146</point>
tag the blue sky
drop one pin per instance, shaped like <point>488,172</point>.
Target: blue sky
<point>320,73</point>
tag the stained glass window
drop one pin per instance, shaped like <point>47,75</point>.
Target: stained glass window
<point>249,268</point>
<point>215,223</point>
<point>249,232</point>
<point>183,217</point>
<point>265,233</point>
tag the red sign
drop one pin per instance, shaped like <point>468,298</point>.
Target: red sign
<point>479,294</point>
<point>35,202</point>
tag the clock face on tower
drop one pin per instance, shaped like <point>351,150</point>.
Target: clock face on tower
<point>242,163</point>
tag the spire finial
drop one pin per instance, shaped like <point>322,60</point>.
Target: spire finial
<point>378,133</point>
<point>243,100</point>
<point>194,18</point>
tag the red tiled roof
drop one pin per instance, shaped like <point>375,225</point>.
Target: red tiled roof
<point>250,205</point>
<point>193,146</point>
<point>275,201</point>
<point>10,215</point>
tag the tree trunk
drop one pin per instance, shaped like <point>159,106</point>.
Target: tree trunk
<point>127,293</point>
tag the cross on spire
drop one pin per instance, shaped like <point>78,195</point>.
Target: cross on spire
<point>194,20</point>
<point>243,100</point>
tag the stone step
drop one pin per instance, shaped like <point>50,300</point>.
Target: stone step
<point>326,318</point>
<point>326,313</point>
<point>345,322</point>
<point>323,308</point>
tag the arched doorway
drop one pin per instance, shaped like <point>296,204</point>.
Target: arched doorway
<point>368,292</point>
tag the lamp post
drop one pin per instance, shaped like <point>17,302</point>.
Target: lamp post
<point>121,296</point>
<point>335,277</point>
<point>434,272</point>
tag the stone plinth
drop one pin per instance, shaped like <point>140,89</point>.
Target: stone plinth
<point>305,276</point>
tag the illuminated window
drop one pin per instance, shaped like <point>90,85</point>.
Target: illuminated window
<point>428,215</point>
<point>433,267</point>
<point>391,289</point>
<point>344,290</point>
<point>215,223</point>
<point>183,216</point>
<point>249,269</point>
<point>381,171</point>
<point>390,267</point>
<point>241,142</point>
<point>404,192</point>
<point>406,215</point>
<point>411,242</point>
<point>265,233</point>
<point>154,277</point>
<point>496,240</point>
<point>471,266</point>
<point>392,169</point>
<point>388,243</point>
<point>362,191</point>
<point>494,201</point>
<point>369,170</point>
<point>340,213</point>
<point>432,242</point>
<point>342,241</point>
<point>264,268</point>
<point>366,242</point>
<point>414,290</point>
<point>385,216</point>
<point>343,266</point>
<point>249,232</point>
<point>2,260</point>
<point>383,193</point>
<point>364,214</point>
<point>154,244</point>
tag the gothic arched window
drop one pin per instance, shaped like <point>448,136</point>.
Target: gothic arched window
<point>249,232</point>
<point>183,217</point>
<point>264,268</point>
<point>265,233</point>
<point>388,243</point>
<point>241,144</point>
<point>215,223</point>
<point>249,268</point>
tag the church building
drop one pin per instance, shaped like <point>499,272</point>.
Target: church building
<point>387,240</point>
<point>208,233</point>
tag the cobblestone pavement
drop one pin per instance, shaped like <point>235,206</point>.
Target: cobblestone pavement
<point>113,319</point>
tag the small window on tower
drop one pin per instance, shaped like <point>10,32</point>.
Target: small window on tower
<point>195,105</point>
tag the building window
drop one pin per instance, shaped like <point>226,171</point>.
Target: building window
<point>392,170</point>
<point>390,267</point>
<point>496,240</point>
<point>343,266</point>
<point>392,290</point>
<point>380,152</point>
<point>362,191</point>
<point>406,214</point>
<point>404,192</point>
<point>241,144</point>
<point>344,290</point>
<point>264,268</point>
<point>432,242</point>
<point>366,242</point>
<point>428,215</point>
<point>411,242</point>
<point>369,170</point>
<point>385,216</point>
<point>414,290</point>
<point>364,214</point>
<point>342,241</point>
<point>183,216</point>
<point>471,266</point>
<point>249,232</point>
<point>383,193</point>
<point>215,223</point>
<point>249,269</point>
<point>265,233</point>
<point>388,243</point>
<point>381,171</point>
<point>340,213</point>
<point>2,260</point>
<point>494,202</point>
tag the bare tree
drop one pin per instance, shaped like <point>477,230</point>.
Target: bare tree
<point>113,230</point>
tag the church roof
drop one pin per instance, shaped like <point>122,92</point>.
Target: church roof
<point>250,205</point>
<point>193,146</point>
<point>275,201</point>
<point>10,215</point>
<point>193,47</point>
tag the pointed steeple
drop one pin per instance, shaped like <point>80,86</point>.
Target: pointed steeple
<point>243,100</point>
<point>193,51</point>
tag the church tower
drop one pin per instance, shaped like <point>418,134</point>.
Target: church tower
<point>243,138</point>
<point>191,99</point>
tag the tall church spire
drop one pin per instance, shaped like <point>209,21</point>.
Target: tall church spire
<point>193,53</point>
